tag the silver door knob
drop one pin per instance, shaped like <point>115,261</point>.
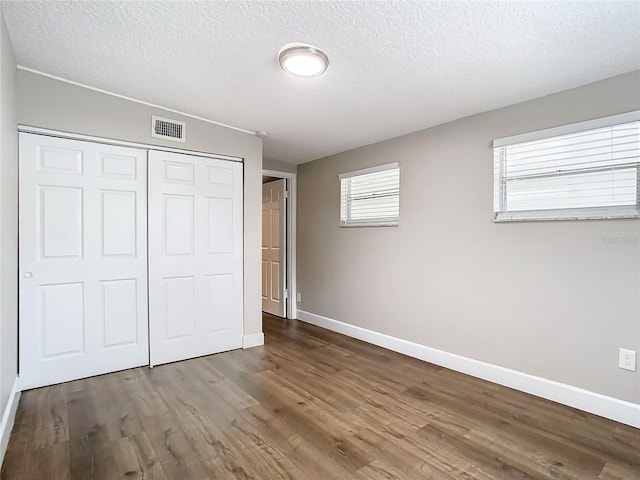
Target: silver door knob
<point>28,274</point>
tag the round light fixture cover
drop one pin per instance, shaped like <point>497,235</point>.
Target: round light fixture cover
<point>303,60</point>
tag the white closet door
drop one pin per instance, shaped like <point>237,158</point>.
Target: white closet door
<point>83,259</point>
<point>195,256</point>
<point>274,248</point>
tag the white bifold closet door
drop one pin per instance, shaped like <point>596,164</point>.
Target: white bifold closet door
<point>195,256</point>
<point>82,260</point>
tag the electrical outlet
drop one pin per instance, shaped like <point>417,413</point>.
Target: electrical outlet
<point>299,297</point>
<point>627,359</point>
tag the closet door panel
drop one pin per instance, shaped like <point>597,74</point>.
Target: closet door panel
<point>82,260</point>
<point>195,256</point>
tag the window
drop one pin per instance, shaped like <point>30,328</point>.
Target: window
<point>579,171</point>
<point>370,197</point>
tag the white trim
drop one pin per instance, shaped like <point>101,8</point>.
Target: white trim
<point>365,171</point>
<point>384,223</point>
<point>608,407</point>
<point>589,213</point>
<point>568,129</point>
<point>8,418</point>
<point>107,92</point>
<point>121,143</point>
<point>253,340</point>
<point>292,246</point>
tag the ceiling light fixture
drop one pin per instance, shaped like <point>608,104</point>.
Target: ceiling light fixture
<point>303,60</point>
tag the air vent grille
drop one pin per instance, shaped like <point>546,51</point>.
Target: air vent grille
<point>168,129</point>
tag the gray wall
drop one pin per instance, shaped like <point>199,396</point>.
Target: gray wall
<point>552,299</point>
<point>277,165</point>
<point>47,103</point>
<point>8,218</point>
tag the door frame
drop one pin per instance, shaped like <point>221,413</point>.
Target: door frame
<point>292,284</point>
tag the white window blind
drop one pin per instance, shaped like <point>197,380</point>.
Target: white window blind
<point>370,197</point>
<point>589,173</point>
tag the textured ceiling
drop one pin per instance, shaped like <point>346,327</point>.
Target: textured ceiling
<point>395,67</point>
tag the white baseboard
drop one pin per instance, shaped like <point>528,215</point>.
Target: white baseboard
<point>8,417</point>
<point>608,407</point>
<point>253,340</point>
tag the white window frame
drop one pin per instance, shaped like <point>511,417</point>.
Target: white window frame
<point>382,222</point>
<point>588,213</point>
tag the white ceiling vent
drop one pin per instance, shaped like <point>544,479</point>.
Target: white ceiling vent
<point>168,129</point>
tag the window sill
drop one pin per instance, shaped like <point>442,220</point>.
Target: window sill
<point>357,225</point>
<point>596,213</point>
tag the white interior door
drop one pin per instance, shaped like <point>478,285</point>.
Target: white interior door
<point>83,259</point>
<point>195,256</point>
<point>274,247</point>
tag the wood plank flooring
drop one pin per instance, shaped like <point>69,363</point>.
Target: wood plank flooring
<point>310,404</point>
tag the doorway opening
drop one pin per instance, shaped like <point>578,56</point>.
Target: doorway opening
<point>279,292</point>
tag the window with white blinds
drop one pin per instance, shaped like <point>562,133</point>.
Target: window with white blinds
<point>370,197</point>
<point>579,171</point>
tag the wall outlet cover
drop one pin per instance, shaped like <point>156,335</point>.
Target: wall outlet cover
<point>627,359</point>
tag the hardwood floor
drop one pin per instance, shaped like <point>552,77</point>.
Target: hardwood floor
<point>310,404</point>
